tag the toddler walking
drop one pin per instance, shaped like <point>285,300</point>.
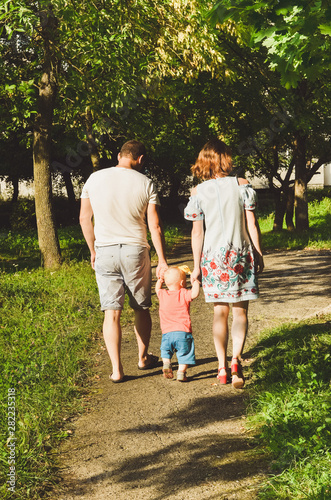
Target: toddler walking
<point>175,321</point>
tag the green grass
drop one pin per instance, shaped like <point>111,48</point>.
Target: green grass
<point>290,409</point>
<point>50,324</point>
<point>20,250</point>
<point>317,237</point>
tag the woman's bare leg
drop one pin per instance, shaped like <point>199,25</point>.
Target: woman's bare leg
<point>221,332</point>
<point>238,332</point>
<point>239,327</point>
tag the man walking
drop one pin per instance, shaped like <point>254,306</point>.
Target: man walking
<point>119,199</point>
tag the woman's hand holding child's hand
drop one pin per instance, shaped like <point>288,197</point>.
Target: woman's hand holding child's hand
<point>195,275</point>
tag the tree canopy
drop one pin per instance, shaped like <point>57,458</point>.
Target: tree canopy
<point>292,43</point>
<point>173,74</point>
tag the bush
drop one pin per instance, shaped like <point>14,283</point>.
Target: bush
<point>4,214</point>
<point>66,213</point>
<point>23,215</point>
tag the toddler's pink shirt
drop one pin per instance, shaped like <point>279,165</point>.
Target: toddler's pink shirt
<point>174,310</point>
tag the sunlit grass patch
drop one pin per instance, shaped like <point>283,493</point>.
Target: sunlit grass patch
<point>317,237</point>
<point>48,323</point>
<point>290,408</point>
<point>50,326</point>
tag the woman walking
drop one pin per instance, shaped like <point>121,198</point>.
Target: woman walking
<point>226,245</point>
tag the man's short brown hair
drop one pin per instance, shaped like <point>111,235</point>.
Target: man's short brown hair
<point>134,149</point>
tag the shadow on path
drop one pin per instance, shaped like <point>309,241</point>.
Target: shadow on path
<point>156,439</point>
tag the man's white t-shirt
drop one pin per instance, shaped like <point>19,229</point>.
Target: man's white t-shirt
<point>119,198</point>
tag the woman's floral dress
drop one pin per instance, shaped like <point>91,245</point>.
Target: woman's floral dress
<point>227,260</point>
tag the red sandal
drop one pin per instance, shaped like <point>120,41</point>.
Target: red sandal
<point>223,379</point>
<point>238,379</point>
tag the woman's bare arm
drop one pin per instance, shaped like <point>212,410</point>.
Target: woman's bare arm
<point>197,238</point>
<point>255,235</point>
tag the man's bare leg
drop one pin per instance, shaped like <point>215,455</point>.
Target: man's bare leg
<point>112,334</point>
<point>143,329</point>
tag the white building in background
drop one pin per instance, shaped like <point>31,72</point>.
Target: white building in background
<point>26,189</point>
<point>327,174</point>
<point>321,179</point>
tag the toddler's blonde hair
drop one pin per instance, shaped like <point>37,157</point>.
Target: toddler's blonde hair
<point>174,275</point>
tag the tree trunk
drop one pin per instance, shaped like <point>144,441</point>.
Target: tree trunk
<point>280,207</point>
<point>72,204</point>
<point>94,153</point>
<point>14,181</point>
<point>290,210</point>
<point>300,187</point>
<point>47,234</point>
<point>69,188</point>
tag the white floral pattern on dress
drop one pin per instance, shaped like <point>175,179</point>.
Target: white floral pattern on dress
<point>228,274</point>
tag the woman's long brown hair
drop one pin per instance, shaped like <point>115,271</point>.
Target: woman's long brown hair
<point>214,160</point>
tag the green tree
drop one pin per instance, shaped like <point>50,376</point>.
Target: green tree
<point>91,64</point>
<point>294,38</point>
<point>26,24</point>
<point>16,96</point>
<point>47,235</point>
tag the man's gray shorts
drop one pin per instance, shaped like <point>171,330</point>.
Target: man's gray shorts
<point>123,267</point>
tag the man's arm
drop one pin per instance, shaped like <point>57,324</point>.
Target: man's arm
<point>157,235</point>
<point>197,238</point>
<point>86,223</point>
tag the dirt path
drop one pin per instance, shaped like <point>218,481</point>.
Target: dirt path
<point>154,439</point>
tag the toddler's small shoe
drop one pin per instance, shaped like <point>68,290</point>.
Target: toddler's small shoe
<point>181,377</point>
<point>167,371</point>
<point>238,380</point>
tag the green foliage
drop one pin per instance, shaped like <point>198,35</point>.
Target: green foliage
<point>116,59</point>
<point>316,195</point>
<point>294,35</point>
<point>172,235</point>
<point>19,250</point>
<point>290,408</point>
<point>20,216</point>
<point>281,45</point>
